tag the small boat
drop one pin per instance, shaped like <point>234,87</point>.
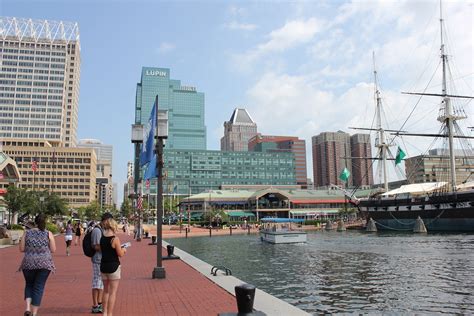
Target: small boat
<point>280,231</point>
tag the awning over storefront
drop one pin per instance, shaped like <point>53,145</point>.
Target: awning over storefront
<point>316,201</point>
<point>312,212</point>
<point>240,214</point>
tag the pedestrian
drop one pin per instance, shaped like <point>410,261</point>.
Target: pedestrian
<point>110,263</point>
<point>78,233</point>
<point>97,284</point>
<point>68,237</point>
<point>127,228</point>
<point>37,243</point>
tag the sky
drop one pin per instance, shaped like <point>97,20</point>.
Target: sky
<point>300,68</point>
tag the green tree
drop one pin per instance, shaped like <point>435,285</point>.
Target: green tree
<point>15,199</point>
<point>126,208</point>
<point>92,211</point>
<point>53,204</point>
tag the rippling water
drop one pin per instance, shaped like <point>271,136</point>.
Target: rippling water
<point>353,271</point>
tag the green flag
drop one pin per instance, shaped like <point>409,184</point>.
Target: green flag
<point>345,174</point>
<point>400,155</point>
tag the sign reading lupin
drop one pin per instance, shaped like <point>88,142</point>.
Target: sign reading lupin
<point>159,73</point>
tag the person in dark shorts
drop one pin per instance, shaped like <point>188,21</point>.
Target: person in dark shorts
<point>78,232</point>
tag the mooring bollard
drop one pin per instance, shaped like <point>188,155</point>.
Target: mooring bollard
<point>186,232</point>
<point>230,230</point>
<point>245,294</point>
<point>248,229</point>
<point>210,232</point>
<point>153,239</point>
<point>170,250</point>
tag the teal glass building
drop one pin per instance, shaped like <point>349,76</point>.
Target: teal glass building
<point>185,107</point>
<point>195,171</point>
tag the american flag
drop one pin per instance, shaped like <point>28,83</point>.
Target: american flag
<point>34,165</point>
<point>140,202</point>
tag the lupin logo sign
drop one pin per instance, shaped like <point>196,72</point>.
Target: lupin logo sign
<point>158,73</point>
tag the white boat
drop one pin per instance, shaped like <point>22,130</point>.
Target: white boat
<point>280,231</point>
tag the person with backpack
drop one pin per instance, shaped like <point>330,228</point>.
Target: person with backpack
<point>97,284</point>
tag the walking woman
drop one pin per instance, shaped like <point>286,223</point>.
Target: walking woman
<point>78,233</point>
<point>37,244</point>
<point>110,264</point>
<point>68,237</point>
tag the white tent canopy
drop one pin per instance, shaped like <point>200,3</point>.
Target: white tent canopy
<point>416,188</point>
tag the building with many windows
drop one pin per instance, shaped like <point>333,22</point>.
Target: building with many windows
<point>435,167</point>
<point>185,107</point>
<point>266,143</point>
<point>104,184</point>
<point>361,149</point>
<point>69,172</point>
<point>238,131</point>
<point>194,171</point>
<point>39,80</point>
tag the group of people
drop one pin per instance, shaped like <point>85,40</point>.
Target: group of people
<point>38,244</point>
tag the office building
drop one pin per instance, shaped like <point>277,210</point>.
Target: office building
<point>362,174</point>
<point>185,107</point>
<point>39,80</point>
<point>331,154</point>
<point>435,167</point>
<point>238,131</point>
<point>195,171</point>
<point>104,184</point>
<point>68,172</point>
<point>266,143</point>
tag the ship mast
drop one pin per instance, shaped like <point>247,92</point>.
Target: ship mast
<point>381,144</point>
<point>448,117</point>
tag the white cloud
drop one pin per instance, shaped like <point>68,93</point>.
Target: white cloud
<point>241,26</point>
<point>292,34</point>
<point>166,47</point>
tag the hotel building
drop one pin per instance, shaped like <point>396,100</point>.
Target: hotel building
<point>39,80</point>
<point>362,174</point>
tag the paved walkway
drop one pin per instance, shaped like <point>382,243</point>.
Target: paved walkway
<point>184,291</point>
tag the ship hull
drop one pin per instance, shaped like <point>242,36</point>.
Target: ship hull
<point>450,212</point>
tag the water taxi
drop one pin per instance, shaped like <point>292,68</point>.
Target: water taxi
<point>280,231</point>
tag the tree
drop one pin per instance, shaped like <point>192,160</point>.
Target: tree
<point>126,208</point>
<point>15,199</point>
<point>53,205</point>
<point>92,211</point>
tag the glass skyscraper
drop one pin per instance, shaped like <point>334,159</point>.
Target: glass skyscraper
<point>184,104</point>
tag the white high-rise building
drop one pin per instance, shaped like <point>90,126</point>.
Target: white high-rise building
<point>39,80</point>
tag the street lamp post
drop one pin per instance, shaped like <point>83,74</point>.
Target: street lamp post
<point>137,139</point>
<point>161,134</point>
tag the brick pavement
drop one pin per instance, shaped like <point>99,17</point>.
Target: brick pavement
<point>184,291</point>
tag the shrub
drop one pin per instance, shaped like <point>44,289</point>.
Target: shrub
<point>52,228</point>
<point>16,227</point>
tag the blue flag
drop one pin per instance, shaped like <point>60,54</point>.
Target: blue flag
<point>151,171</point>
<point>149,130</point>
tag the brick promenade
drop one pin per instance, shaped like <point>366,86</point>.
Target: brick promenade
<point>68,291</point>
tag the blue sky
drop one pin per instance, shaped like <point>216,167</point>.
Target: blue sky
<point>300,67</point>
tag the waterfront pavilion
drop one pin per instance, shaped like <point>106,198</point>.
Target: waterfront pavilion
<point>267,202</point>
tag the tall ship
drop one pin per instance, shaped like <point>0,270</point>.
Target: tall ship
<point>444,205</point>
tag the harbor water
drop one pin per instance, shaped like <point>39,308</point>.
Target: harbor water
<point>352,271</point>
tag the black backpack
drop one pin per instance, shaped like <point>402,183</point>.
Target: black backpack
<point>87,244</point>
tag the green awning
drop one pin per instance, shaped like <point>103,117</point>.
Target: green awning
<point>240,214</point>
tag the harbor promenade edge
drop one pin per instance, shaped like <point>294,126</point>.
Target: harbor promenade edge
<point>184,291</point>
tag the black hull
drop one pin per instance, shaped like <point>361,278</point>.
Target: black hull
<point>451,212</point>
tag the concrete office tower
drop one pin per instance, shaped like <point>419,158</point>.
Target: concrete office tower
<point>434,167</point>
<point>267,143</point>
<point>238,131</point>
<point>331,154</point>
<point>39,80</point>
<point>104,184</point>
<point>68,172</point>
<point>362,173</point>
<point>184,104</point>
